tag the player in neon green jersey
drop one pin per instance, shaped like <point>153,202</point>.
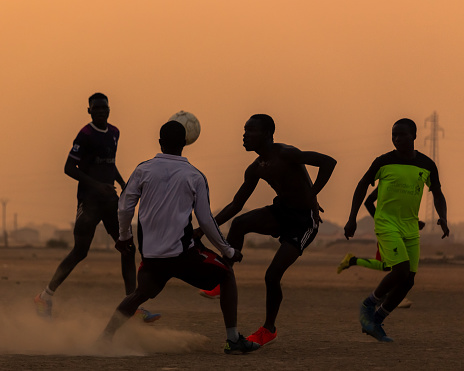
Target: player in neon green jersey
<point>377,264</point>
<point>402,174</point>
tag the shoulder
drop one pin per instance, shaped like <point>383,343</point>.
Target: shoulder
<point>86,130</point>
<point>113,129</point>
<point>386,158</point>
<point>284,149</point>
<point>425,161</point>
<point>196,173</point>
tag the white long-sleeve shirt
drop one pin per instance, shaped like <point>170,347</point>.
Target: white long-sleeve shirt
<point>168,188</point>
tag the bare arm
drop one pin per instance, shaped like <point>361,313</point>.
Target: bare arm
<point>242,195</point>
<point>118,178</point>
<point>326,165</point>
<point>440,205</point>
<point>71,168</point>
<point>369,203</point>
<point>358,198</point>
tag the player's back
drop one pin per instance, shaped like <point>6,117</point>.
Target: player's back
<point>168,185</point>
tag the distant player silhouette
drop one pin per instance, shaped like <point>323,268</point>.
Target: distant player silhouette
<point>92,162</point>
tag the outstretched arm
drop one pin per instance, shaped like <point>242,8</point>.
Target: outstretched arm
<point>242,195</point>
<point>358,198</point>
<point>440,205</point>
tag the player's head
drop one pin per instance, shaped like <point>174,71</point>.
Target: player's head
<point>172,138</point>
<point>97,96</point>
<point>403,134</point>
<point>99,108</point>
<point>259,131</point>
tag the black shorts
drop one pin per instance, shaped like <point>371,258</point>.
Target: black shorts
<point>91,212</point>
<point>296,226</point>
<point>198,266</point>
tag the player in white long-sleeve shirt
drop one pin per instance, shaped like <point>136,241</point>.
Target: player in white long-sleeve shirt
<point>169,188</point>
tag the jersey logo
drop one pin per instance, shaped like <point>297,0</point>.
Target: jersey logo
<point>115,140</point>
<point>76,147</point>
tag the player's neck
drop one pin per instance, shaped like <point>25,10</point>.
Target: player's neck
<point>408,154</point>
<point>102,125</point>
<point>265,150</point>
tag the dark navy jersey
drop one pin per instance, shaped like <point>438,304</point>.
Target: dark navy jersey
<point>95,151</point>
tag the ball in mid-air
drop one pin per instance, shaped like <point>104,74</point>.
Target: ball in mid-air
<point>190,123</point>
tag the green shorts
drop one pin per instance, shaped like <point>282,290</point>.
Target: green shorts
<point>395,249</point>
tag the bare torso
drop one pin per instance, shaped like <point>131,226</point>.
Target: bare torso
<point>289,180</point>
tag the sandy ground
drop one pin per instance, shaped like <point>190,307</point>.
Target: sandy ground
<point>317,326</point>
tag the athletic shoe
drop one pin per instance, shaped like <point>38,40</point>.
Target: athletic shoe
<point>406,303</point>
<point>146,316</point>
<point>43,307</point>
<point>366,315</point>
<point>345,263</point>
<point>242,345</point>
<point>212,294</point>
<point>376,330</point>
<point>263,336</point>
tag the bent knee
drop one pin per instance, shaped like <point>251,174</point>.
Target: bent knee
<point>271,278</point>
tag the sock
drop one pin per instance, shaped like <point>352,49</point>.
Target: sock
<point>353,261</point>
<point>371,300</point>
<point>370,263</point>
<point>47,294</point>
<point>232,334</point>
<point>380,314</point>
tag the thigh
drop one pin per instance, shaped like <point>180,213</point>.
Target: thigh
<point>413,249</point>
<point>392,249</point>
<point>262,221</point>
<point>153,275</point>
<point>201,268</point>
<point>87,218</point>
<point>285,256</point>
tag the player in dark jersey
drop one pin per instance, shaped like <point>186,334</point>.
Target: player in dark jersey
<point>402,174</point>
<point>92,162</point>
<point>293,216</point>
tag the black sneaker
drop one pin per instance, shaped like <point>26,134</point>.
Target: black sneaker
<point>242,345</point>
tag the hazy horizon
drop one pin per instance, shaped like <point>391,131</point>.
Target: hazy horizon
<point>334,76</point>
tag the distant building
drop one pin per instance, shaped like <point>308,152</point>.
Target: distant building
<point>25,236</point>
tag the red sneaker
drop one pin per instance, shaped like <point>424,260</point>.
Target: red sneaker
<point>212,294</point>
<point>263,336</point>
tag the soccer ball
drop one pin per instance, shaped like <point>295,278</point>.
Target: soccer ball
<point>191,125</point>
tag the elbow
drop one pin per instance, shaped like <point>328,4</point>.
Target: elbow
<point>67,169</point>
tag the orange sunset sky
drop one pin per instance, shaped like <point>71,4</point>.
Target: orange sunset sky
<point>335,76</point>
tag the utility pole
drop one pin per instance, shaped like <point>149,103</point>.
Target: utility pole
<point>435,128</point>
<point>5,234</point>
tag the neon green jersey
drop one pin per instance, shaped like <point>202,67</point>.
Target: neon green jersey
<point>401,184</point>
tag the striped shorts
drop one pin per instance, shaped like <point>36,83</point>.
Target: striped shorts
<point>296,227</point>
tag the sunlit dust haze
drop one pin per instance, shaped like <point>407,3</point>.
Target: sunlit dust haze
<point>78,334</point>
<point>334,76</point>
